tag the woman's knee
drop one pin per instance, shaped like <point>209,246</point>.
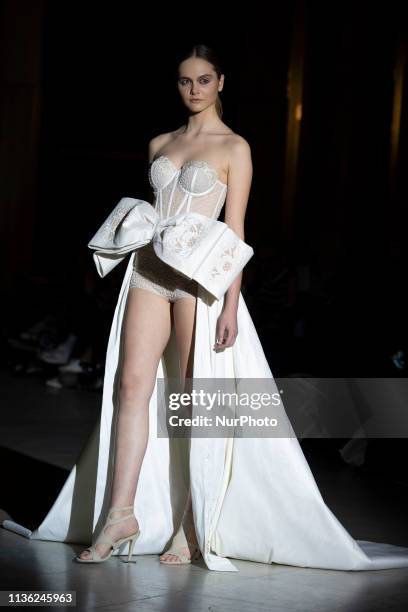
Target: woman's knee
<point>134,387</point>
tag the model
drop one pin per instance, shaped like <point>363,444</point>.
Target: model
<point>180,313</point>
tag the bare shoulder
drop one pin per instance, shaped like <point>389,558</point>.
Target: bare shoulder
<point>239,147</point>
<point>157,142</point>
<point>160,139</point>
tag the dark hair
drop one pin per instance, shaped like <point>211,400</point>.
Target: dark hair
<point>207,53</point>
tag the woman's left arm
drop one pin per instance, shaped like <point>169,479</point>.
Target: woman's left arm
<point>240,172</point>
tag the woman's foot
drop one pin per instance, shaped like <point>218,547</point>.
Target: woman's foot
<point>183,544</point>
<point>119,530</point>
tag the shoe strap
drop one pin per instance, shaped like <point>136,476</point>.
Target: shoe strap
<point>104,539</point>
<point>95,555</point>
<point>180,540</point>
<point>117,508</point>
<point>183,556</point>
<point>177,553</point>
<point>113,521</point>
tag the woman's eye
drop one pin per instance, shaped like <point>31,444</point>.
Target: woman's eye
<point>184,81</point>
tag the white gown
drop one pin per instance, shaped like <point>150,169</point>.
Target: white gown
<point>253,498</point>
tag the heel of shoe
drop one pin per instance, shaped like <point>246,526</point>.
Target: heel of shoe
<point>131,541</point>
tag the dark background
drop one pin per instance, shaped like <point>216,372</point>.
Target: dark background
<point>86,85</point>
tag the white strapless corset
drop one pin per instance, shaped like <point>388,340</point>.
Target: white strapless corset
<point>195,187</point>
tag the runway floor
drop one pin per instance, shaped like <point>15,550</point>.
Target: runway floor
<point>41,436</point>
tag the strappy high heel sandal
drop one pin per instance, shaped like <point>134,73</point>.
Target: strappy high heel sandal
<point>180,541</point>
<point>103,538</point>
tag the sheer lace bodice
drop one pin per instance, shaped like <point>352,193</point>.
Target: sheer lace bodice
<point>193,188</point>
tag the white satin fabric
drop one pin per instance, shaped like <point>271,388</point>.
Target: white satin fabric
<point>253,498</point>
<point>197,246</point>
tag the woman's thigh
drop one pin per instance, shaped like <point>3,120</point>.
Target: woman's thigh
<point>147,328</point>
<point>184,315</point>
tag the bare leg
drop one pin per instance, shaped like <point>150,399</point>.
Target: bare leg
<point>147,328</point>
<point>184,322</point>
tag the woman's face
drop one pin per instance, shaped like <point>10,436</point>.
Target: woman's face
<point>197,79</point>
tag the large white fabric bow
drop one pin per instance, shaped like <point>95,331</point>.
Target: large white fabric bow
<point>195,245</point>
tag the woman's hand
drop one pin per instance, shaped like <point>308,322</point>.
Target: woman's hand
<point>226,329</point>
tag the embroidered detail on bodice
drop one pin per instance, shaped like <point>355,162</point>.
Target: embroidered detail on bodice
<point>193,188</point>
